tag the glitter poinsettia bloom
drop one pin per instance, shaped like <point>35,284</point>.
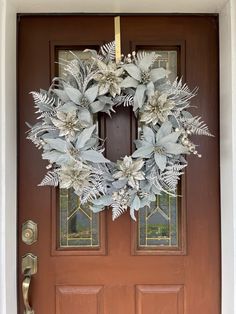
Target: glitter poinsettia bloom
<point>108,78</point>
<point>74,175</point>
<point>157,109</point>
<point>67,123</point>
<point>130,170</point>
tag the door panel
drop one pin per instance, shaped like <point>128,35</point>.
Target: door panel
<point>120,273</point>
<point>83,300</point>
<point>159,299</point>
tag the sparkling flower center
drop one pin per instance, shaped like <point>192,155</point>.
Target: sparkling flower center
<point>157,106</point>
<point>159,150</point>
<point>127,172</point>
<point>145,77</point>
<point>73,152</point>
<point>84,102</point>
<point>110,77</point>
<point>70,125</point>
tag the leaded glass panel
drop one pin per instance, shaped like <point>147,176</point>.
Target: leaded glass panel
<point>79,226</point>
<point>158,224</point>
<point>68,55</point>
<point>168,60</point>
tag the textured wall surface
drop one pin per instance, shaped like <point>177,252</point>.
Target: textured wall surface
<point>132,6</point>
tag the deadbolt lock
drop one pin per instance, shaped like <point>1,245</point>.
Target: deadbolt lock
<point>29,232</point>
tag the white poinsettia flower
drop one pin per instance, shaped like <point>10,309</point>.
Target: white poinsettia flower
<point>108,78</point>
<point>84,149</point>
<point>74,175</point>
<point>130,170</point>
<point>158,108</point>
<point>67,123</point>
<point>142,76</point>
<point>161,145</point>
<point>85,97</point>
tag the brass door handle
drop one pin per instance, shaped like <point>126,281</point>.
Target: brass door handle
<point>29,268</point>
<point>25,292</point>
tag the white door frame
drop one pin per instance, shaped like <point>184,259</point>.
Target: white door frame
<point>8,136</point>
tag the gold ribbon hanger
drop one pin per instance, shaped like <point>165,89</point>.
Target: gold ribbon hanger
<point>117,38</point>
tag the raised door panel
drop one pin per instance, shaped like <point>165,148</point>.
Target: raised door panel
<point>159,299</point>
<point>79,299</point>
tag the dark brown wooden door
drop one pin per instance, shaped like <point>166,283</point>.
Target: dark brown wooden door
<point>128,268</point>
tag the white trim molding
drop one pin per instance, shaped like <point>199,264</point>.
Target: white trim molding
<point>8,137</point>
<point>8,156</point>
<point>228,154</point>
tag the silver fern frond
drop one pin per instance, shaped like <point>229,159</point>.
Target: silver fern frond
<point>117,210</point>
<point>196,126</point>
<point>39,129</point>
<point>42,98</point>
<point>89,193</point>
<point>51,178</point>
<point>120,203</point>
<point>46,115</point>
<point>143,53</point>
<point>170,177</point>
<point>96,188</point>
<point>108,52</point>
<point>125,100</point>
<point>180,93</point>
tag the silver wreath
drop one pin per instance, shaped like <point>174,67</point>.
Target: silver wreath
<point>69,138</point>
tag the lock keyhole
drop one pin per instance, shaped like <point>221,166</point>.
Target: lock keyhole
<point>29,232</point>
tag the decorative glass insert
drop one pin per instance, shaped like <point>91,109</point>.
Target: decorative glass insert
<point>69,55</point>
<point>158,225</point>
<point>79,226</point>
<point>168,60</point>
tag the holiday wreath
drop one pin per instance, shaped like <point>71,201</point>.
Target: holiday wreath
<point>69,138</point>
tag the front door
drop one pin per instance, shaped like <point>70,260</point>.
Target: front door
<point>169,261</point>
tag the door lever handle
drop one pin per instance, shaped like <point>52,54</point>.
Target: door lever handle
<point>29,268</point>
<point>25,292</point>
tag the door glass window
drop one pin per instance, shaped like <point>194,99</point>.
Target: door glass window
<point>78,225</point>
<point>168,60</point>
<point>68,55</point>
<point>158,224</point>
